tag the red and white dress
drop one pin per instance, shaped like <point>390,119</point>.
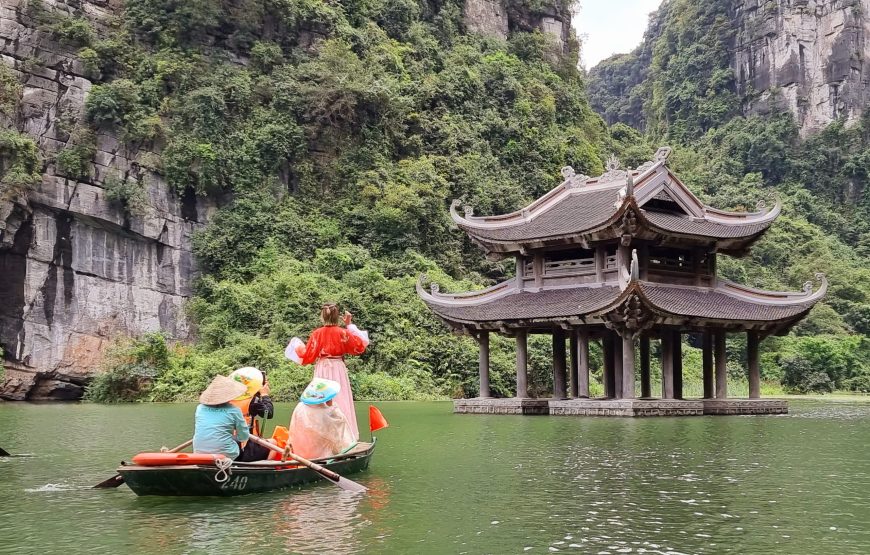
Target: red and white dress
<point>327,347</point>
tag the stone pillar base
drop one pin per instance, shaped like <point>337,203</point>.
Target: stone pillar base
<point>513,405</point>
<point>620,407</point>
<point>626,407</point>
<point>745,406</point>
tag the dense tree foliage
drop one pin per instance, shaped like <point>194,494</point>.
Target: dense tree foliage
<point>679,88</point>
<point>339,132</point>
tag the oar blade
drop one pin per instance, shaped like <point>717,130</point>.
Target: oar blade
<point>112,482</point>
<point>4,453</point>
<point>350,485</point>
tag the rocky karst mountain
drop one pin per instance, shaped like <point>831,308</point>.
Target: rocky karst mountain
<point>78,266</point>
<point>806,56</point>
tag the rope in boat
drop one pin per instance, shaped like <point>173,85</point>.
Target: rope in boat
<point>224,471</point>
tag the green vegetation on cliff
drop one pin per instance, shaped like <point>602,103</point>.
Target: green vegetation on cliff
<point>679,87</point>
<point>341,131</point>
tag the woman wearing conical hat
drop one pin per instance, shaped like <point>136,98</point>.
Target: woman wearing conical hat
<point>218,425</point>
<point>326,348</point>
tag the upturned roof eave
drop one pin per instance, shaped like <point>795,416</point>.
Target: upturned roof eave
<point>578,315</point>
<point>802,302</point>
<point>737,243</point>
<point>652,178</point>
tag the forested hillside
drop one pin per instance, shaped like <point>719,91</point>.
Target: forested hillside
<point>679,87</point>
<point>337,134</point>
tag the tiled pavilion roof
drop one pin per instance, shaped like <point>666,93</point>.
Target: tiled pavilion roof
<point>725,302</point>
<point>583,207</point>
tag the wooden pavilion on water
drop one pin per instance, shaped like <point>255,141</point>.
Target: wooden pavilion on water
<point>624,258</point>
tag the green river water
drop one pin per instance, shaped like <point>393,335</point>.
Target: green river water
<point>444,483</point>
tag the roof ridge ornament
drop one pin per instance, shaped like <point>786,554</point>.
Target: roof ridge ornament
<point>808,285</point>
<point>660,156</point>
<point>613,173</point>
<point>663,153</point>
<point>762,203</point>
<point>573,180</point>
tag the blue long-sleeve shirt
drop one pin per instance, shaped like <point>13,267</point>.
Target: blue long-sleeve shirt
<point>214,428</point>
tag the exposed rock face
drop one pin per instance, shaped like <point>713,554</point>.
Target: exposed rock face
<point>76,269</point>
<point>806,56</point>
<point>487,17</point>
<point>809,55</point>
<point>498,18</point>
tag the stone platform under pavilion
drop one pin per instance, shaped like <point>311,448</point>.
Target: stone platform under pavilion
<point>620,407</point>
<point>621,260</point>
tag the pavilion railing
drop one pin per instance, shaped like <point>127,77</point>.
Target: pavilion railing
<point>572,267</point>
<point>670,264</point>
<point>577,266</point>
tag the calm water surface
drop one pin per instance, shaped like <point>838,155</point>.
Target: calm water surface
<point>444,483</point>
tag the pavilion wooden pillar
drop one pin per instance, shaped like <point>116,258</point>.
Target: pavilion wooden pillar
<point>574,367</point>
<point>607,371</point>
<point>721,365</point>
<point>559,372</point>
<point>522,364</point>
<point>707,369</point>
<point>645,385</point>
<point>752,341</point>
<point>580,353</point>
<point>628,391</point>
<point>483,342</point>
<point>678,364</point>
<point>617,365</point>
<point>667,340</point>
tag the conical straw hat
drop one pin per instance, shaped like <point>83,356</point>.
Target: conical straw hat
<point>251,378</point>
<point>221,390</point>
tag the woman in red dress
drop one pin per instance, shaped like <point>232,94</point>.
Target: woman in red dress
<point>327,347</point>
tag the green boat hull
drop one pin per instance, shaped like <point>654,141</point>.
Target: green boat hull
<point>243,479</point>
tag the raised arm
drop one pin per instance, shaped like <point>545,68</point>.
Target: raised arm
<point>304,353</point>
<point>357,340</point>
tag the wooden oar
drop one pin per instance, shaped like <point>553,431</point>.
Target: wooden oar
<point>117,479</point>
<point>333,477</point>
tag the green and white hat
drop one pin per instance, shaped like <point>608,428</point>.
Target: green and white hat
<point>319,391</point>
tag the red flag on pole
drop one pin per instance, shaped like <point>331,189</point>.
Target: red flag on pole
<point>376,419</point>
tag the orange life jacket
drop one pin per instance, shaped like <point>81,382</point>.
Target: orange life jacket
<point>280,435</point>
<point>244,405</point>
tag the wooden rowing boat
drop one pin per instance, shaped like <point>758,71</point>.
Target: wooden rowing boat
<point>240,478</point>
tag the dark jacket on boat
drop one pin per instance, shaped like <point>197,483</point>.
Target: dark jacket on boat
<point>261,405</point>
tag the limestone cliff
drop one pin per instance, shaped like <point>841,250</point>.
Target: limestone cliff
<point>500,17</point>
<point>806,56</point>
<point>76,269</point>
